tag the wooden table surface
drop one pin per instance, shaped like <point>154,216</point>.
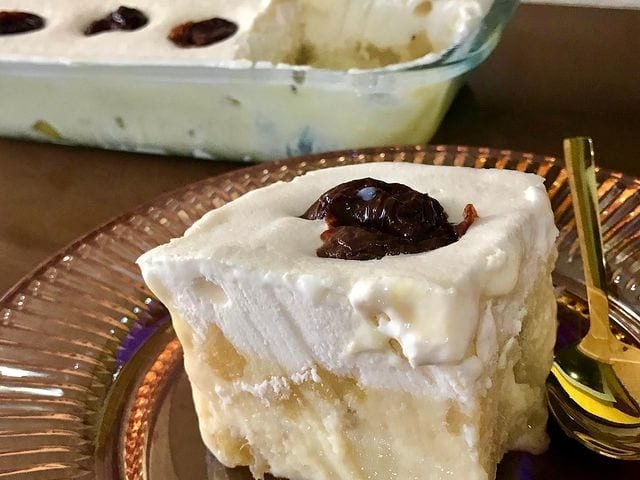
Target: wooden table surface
<point>559,71</point>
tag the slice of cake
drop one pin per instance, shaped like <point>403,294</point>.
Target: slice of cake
<point>389,321</point>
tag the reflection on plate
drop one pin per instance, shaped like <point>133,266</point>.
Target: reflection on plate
<point>91,380</point>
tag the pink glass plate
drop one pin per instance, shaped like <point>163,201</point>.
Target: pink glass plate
<point>91,379</point>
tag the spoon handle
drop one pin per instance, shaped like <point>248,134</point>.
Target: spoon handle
<point>581,167</point>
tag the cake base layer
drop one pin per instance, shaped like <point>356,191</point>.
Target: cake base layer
<point>316,425</point>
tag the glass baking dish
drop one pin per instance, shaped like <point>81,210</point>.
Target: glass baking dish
<point>254,113</point>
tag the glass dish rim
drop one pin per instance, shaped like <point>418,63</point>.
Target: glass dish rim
<point>105,259</point>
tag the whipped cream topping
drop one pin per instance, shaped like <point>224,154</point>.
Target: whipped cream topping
<point>338,34</point>
<point>338,312</point>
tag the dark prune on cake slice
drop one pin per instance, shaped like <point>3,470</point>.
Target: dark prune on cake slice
<point>369,219</point>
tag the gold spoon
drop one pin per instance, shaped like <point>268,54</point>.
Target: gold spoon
<point>586,395</point>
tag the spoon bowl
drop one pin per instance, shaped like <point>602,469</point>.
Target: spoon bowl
<point>618,437</point>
